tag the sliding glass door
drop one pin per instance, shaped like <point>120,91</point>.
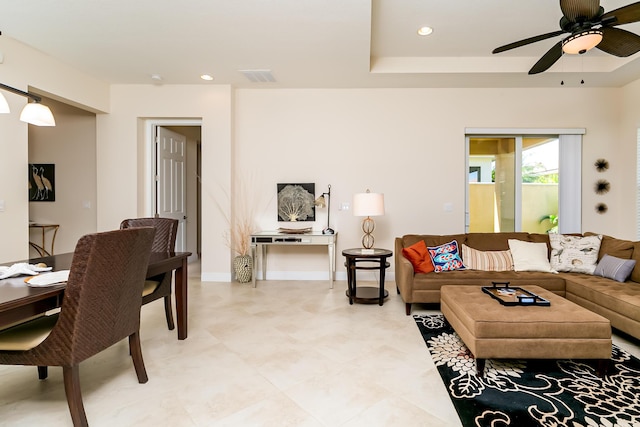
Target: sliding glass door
<point>513,183</point>
<point>492,190</point>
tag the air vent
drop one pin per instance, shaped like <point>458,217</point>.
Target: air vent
<point>258,76</point>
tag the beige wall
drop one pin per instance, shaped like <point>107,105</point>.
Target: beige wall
<point>23,69</point>
<point>71,146</point>
<point>123,146</point>
<point>406,143</point>
<point>410,145</point>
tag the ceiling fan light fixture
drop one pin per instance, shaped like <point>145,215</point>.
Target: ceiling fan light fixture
<point>581,42</point>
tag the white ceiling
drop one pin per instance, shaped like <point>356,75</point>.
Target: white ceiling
<point>310,43</point>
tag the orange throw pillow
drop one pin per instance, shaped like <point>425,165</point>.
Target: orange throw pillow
<point>419,257</point>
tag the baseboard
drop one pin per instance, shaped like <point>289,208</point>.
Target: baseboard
<point>215,277</point>
<point>367,276</point>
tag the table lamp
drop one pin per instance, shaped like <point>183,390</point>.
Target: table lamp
<point>368,204</point>
<point>321,202</point>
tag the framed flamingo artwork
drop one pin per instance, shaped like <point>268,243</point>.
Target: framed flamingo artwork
<point>42,182</point>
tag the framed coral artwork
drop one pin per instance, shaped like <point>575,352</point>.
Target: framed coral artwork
<point>296,202</point>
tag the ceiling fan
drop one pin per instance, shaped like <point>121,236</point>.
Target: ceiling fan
<point>588,27</point>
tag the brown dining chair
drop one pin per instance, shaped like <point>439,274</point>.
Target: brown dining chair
<point>101,306</point>
<point>165,241</point>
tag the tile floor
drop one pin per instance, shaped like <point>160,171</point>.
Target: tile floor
<point>286,353</point>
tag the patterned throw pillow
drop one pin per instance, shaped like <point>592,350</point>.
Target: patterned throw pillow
<point>446,257</point>
<point>419,257</point>
<point>576,254</point>
<point>615,268</point>
<point>474,259</point>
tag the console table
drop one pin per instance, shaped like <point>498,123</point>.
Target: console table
<point>264,239</point>
<point>44,227</point>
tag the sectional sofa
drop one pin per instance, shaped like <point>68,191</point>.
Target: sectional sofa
<point>617,301</point>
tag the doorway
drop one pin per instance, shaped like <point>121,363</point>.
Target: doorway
<point>174,153</point>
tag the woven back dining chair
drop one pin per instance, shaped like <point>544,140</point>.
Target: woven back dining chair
<point>165,241</point>
<point>101,306</point>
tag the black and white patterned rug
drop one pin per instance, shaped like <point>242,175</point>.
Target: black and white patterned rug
<point>524,393</point>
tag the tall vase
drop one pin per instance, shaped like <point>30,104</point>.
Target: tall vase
<point>243,266</point>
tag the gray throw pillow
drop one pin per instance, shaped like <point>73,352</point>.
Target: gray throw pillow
<point>614,268</point>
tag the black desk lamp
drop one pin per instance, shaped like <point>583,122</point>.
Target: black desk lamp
<point>321,202</point>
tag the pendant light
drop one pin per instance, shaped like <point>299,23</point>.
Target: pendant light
<point>4,106</point>
<point>33,113</point>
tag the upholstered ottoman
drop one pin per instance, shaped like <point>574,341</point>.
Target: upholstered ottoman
<point>490,330</point>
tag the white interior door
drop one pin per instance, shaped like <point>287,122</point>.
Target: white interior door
<point>170,180</point>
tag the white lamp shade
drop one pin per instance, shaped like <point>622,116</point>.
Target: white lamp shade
<point>4,107</point>
<point>37,114</point>
<point>368,204</point>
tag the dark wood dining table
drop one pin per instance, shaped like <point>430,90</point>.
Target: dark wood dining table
<point>20,302</point>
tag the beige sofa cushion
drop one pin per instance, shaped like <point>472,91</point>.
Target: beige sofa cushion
<point>635,274</point>
<point>618,248</point>
<point>487,318</point>
<point>432,239</point>
<point>432,281</point>
<point>622,298</point>
<point>493,241</point>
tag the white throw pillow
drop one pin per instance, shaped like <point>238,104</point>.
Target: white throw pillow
<point>576,254</point>
<point>529,256</point>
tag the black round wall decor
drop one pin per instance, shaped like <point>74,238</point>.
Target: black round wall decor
<point>601,165</point>
<point>602,186</point>
<point>601,208</point>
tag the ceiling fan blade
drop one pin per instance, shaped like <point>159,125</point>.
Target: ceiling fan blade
<point>528,41</point>
<point>574,9</point>
<point>619,42</point>
<point>624,15</point>
<point>548,59</point>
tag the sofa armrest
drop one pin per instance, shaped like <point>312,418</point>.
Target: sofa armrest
<point>403,272</point>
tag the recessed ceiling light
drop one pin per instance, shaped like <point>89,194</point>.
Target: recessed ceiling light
<point>425,31</point>
<point>206,77</point>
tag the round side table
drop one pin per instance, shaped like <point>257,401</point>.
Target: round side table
<point>363,259</point>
